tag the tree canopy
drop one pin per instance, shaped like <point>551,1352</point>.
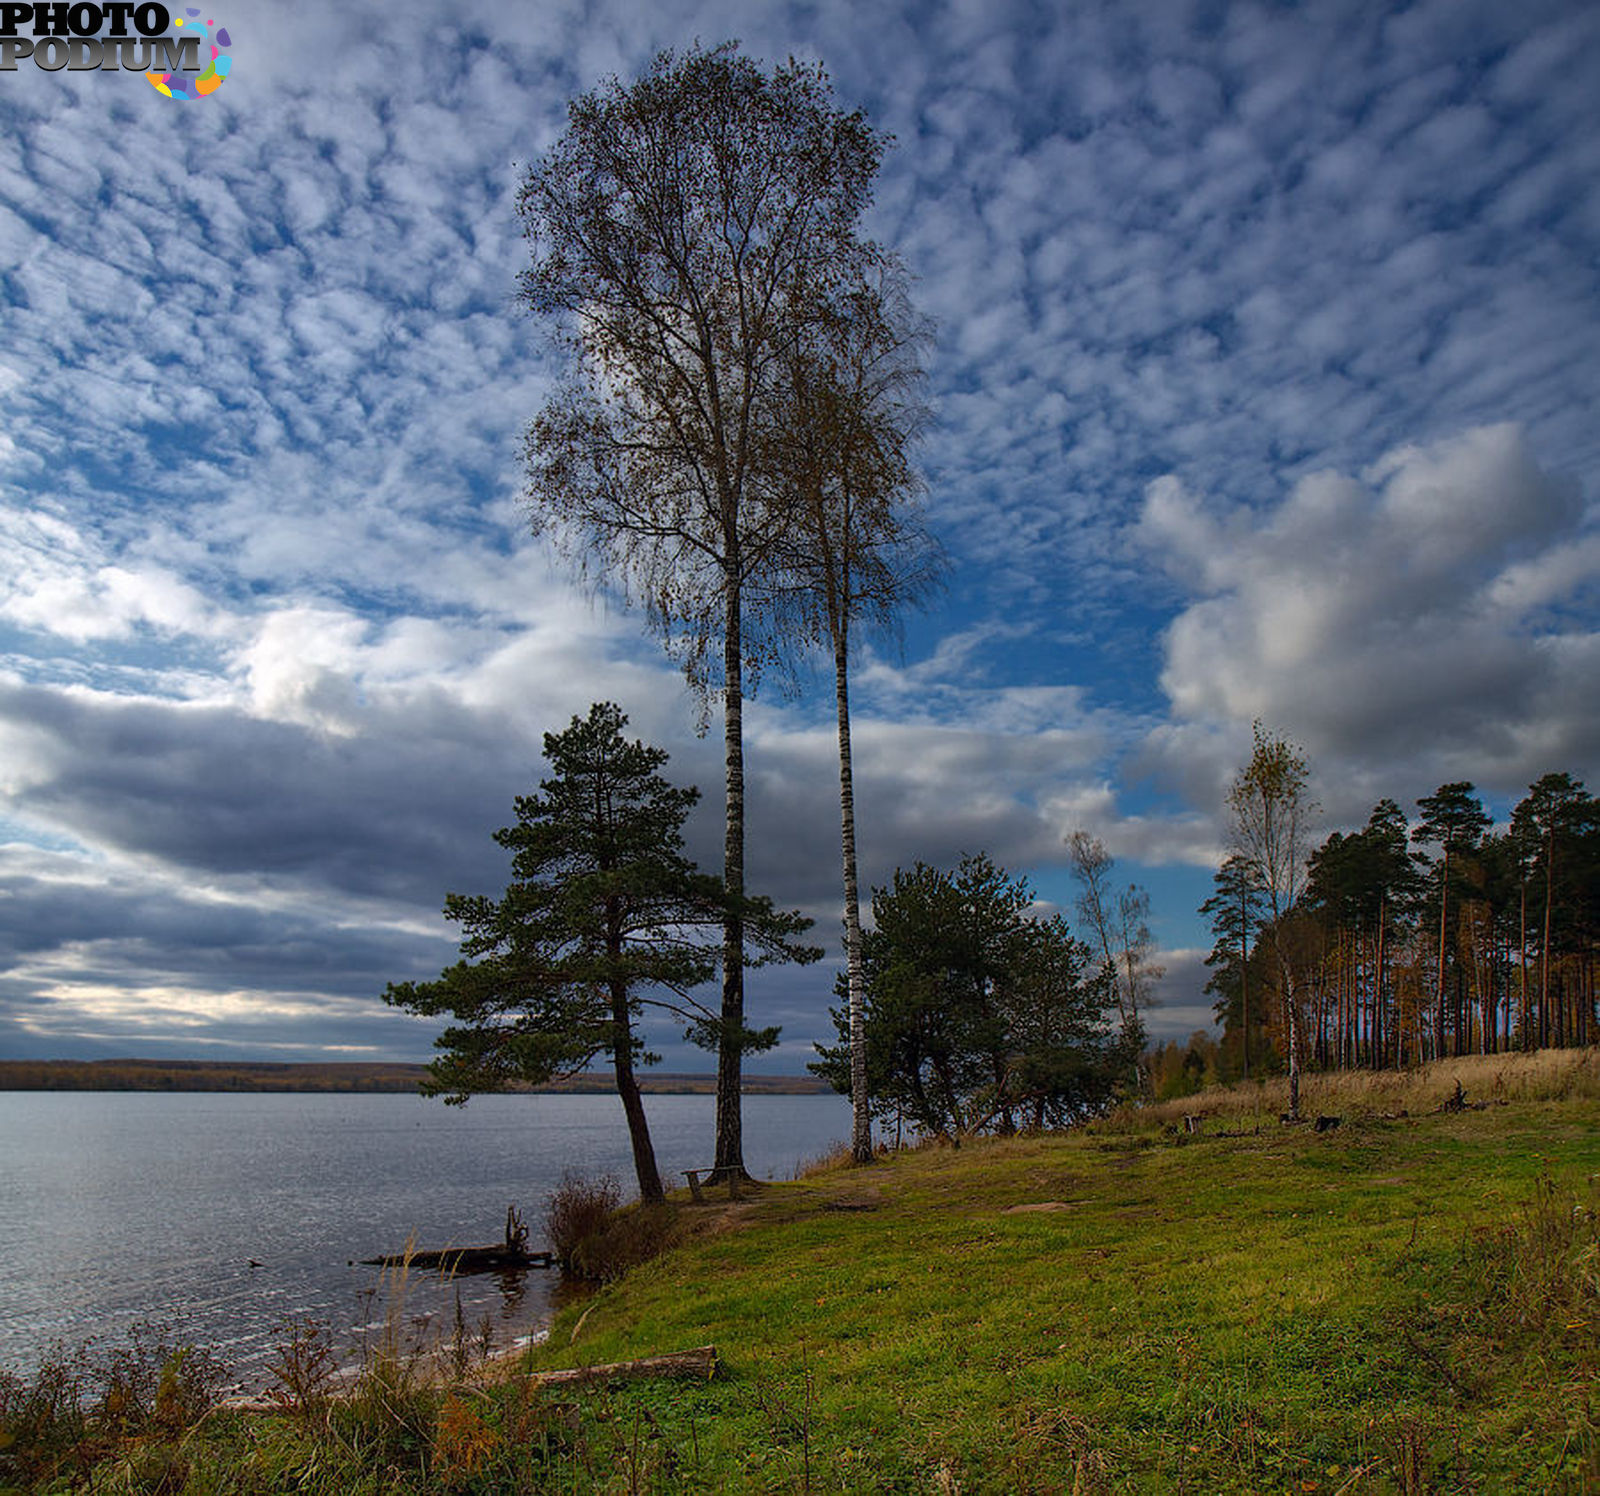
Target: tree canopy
<point>1271,808</point>
<point>979,1014</point>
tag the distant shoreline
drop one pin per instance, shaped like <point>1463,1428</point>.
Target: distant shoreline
<point>356,1079</point>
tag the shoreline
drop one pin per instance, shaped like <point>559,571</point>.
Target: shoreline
<point>249,1077</point>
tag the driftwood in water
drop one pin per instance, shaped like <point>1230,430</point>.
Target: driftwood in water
<point>511,1255</point>
<point>700,1363</point>
<point>493,1259</point>
<point>516,1232</point>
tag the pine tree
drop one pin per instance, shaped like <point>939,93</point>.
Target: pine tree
<point>605,917</point>
<point>1235,912</point>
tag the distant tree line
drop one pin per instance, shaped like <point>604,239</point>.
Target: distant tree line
<point>1410,939</point>
<point>348,1078</point>
<point>205,1075</point>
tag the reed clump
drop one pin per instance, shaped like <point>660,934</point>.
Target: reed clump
<point>596,1238</point>
<point>577,1209</point>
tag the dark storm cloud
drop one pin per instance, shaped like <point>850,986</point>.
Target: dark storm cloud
<point>214,791</point>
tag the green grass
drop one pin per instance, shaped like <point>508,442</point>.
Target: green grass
<point>1276,1311</point>
<point>1406,1304</point>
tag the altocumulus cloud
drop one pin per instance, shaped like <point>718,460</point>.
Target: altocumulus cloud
<point>1266,339</point>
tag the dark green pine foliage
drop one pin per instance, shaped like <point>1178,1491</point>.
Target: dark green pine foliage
<point>978,1014</point>
<point>1064,1057</point>
<point>604,918</point>
<point>1453,819</point>
<point>1555,843</point>
<point>1236,911</point>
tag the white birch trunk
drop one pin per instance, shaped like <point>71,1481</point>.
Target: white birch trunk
<point>861,1115</point>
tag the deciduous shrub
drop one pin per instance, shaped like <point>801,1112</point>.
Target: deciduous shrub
<point>577,1208</point>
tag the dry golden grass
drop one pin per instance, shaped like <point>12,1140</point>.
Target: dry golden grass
<point>1544,1075</point>
<point>840,1156</point>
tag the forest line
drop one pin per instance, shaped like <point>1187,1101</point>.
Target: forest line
<point>1410,940</point>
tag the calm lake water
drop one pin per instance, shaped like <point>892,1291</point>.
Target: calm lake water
<point>122,1208</point>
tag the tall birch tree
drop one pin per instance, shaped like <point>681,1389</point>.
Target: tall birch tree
<point>1271,810</point>
<point>684,231</point>
<point>858,552</point>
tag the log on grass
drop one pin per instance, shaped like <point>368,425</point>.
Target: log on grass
<point>700,1363</point>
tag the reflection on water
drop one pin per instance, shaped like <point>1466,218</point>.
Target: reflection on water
<point>409,1312</point>
<point>226,1217</point>
<point>513,1286</point>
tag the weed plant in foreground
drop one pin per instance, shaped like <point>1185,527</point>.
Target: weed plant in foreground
<point>95,1407</point>
<point>1407,1304</point>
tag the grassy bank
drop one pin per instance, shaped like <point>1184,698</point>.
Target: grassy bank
<point>1405,1303</point>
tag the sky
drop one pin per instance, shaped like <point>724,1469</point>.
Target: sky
<point>1265,386</point>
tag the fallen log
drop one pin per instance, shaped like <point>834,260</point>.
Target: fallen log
<point>700,1363</point>
<point>508,1256</point>
<point>495,1259</point>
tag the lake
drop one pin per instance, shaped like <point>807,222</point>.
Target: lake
<point>124,1208</point>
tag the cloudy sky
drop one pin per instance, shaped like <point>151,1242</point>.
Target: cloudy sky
<point>1266,385</point>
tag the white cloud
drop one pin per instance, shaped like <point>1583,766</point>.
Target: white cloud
<point>1407,614</point>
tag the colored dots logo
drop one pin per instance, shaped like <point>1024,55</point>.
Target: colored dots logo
<point>214,44</point>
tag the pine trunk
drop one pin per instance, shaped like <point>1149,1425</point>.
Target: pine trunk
<point>1444,904</point>
<point>1244,975</point>
<point>1294,1052</point>
<point>1544,944</point>
<point>644,1153</point>
<point>1379,1058</point>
